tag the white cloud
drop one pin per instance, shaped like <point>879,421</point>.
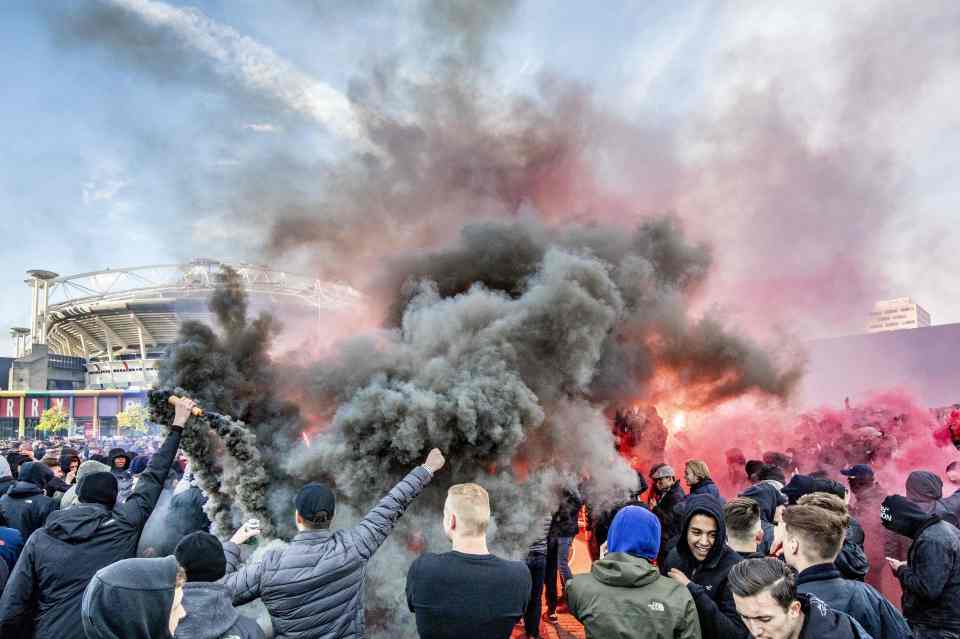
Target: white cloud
<point>255,66</point>
<point>101,189</point>
<point>262,127</point>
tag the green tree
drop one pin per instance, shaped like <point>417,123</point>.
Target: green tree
<point>53,420</point>
<point>133,417</point>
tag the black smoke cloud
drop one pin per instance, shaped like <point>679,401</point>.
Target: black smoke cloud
<point>227,370</point>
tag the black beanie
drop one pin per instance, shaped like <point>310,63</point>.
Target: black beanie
<point>201,556</point>
<point>98,488</point>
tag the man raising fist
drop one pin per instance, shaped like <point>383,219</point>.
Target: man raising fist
<point>313,588</point>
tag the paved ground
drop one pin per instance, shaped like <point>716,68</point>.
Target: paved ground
<point>567,627</point>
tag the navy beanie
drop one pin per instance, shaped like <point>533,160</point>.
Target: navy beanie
<point>635,531</point>
<point>139,464</point>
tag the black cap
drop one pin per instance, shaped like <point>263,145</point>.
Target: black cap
<point>98,488</point>
<point>314,499</point>
<point>201,556</point>
<point>858,471</point>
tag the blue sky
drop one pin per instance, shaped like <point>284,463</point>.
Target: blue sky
<point>125,138</point>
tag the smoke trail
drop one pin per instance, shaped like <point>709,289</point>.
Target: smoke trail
<point>230,372</point>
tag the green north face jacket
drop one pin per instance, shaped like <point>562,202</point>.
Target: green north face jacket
<point>625,597</point>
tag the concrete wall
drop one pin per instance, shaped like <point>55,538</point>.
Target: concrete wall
<point>923,361</point>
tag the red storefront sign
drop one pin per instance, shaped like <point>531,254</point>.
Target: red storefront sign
<point>10,406</point>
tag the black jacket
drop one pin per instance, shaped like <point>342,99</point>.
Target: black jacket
<point>668,512</point>
<point>931,576</point>
<point>45,589</point>
<point>129,599</point>
<point>862,602</point>
<point>821,622</point>
<point>709,588</point>
<point>566,521</point>
<point>25,507</point>
<point>706,487</point>
<point>768,498</point>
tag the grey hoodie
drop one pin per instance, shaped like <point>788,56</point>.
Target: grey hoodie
<point>130,599</point>
<point>211,615</point>
<point>86,468</point>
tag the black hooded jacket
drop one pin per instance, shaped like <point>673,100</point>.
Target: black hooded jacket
<point>768,498</point>
<point>709,588</point>
<point>821,622</point>
<point>862,602</point>
<point>926,490</point>
<point>130,599</point>
<point>668,511</point>
<point>44,592</point>
<point>931,576</point>
<point>25,507</point>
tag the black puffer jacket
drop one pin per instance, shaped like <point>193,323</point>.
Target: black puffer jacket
<point>822,622</point>
<point>44,593</point>
<point>862,602</point>
<point>25,507</point>
<point>931,576</point>
<point>313,588</point>
<point>709,588</point>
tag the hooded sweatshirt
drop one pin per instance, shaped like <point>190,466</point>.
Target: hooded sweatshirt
<point>211,615</point>
<point>624,596</point>
<point>130,599</point>
<point>931,576</point>
<point>25,507</point>
<point>6,476</point>
<point>926,490</point>
<point>768,498</point>
<point>708,579</point>
<point>86,468</point>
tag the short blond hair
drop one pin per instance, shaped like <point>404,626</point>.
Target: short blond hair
<point>699,469</point>
<point>471,504</point>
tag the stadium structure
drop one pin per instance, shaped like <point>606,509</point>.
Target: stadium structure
<point>110,329</point>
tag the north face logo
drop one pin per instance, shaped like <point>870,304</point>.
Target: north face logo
<point>656,606</point>
<point>708,588</point>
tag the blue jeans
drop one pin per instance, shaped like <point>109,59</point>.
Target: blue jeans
<point>537,565</point>
<point>558,560</point>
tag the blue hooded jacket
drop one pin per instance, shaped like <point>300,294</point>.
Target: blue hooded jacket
<point>635,531</point>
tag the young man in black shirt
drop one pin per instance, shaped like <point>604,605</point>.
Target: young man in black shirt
<point>467,592</point>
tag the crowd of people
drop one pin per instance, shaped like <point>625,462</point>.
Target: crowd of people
<point>788,556</point>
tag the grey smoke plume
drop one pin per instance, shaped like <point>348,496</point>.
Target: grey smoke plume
<point>227,370</point>
<point>502,351</point>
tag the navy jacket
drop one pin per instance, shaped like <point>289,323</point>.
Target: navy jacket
<point>822,622</point>
<point>44,593</point>
<point>25,506</point>
<point>859,600</point>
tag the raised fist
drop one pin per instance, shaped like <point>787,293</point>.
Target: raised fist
<point>434,461</point>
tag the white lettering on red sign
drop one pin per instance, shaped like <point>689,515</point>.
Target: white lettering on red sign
<point>9,408</point>
<point>59,402</point>
<point>35,407</point>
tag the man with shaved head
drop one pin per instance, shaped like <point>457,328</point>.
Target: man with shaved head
<point>467,592</point>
